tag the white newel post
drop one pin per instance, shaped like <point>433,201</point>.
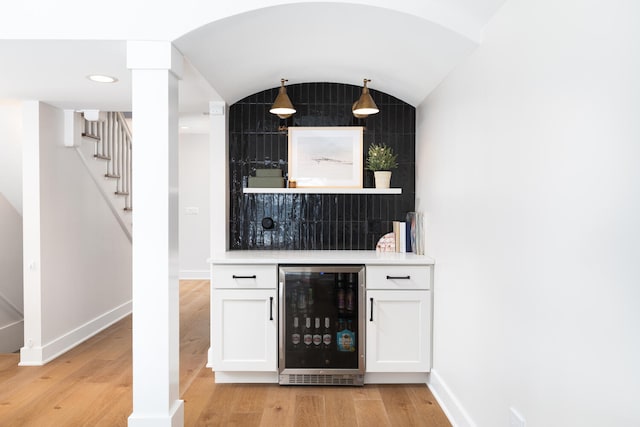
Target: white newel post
<point>156,67</point>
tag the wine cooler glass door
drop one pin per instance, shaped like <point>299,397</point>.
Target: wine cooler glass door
<point>321,324</point>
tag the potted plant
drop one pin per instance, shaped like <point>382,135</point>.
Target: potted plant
<point>381,160</point>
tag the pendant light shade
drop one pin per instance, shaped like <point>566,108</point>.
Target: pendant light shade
<point>365,105</point>
<point>282,106</point>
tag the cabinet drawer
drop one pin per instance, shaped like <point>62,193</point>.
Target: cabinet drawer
<point>398,277</point>
<point>245,276</point>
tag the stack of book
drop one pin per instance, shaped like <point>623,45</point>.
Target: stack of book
<point>409,234</point>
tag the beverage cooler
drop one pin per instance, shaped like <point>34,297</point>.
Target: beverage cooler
<point>321,325</point>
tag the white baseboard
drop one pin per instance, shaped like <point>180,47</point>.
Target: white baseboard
<point>11,337</point>
<point>194,275</point>
<point>395,377</point>
<point>453,409</point>
<point>40,355</point>
<point>175,418</point>
<point>210,358</point>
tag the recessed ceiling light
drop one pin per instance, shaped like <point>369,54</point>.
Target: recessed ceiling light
<point>100,78</point>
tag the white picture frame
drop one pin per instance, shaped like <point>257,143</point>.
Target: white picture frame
<point>326,157</point>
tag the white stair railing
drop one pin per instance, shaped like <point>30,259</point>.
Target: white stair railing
<point>113,145</point>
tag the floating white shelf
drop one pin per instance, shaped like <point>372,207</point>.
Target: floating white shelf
<point>322,190</point>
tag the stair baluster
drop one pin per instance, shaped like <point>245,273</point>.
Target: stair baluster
<point>113,145</point>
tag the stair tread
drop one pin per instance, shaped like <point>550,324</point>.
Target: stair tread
<point>101,157</point>
<point>122,193</point>
<point>109,175</point>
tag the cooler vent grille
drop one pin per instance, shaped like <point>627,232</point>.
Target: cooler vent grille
<point>312,379</point>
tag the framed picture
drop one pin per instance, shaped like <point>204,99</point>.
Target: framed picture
<point>326,156</point>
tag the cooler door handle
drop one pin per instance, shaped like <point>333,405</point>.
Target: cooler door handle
<point>270,308</point>
<point>398,277</point>
<point>244,277</point>
<point>371,316</point>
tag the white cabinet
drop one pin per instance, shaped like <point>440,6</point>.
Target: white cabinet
<point>245,330</point>
<point>398,331</point>
<point>398,319</point>
<point>244,319</point>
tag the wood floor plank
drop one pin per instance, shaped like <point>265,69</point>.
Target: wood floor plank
<point>368,392</point>
<point>115,410</point>
<point>371,413</point>
<point>426,406</point>
<point>244,419</point>
<point>7,364</point>
<point>250,398</point>
<point>36,386</point>
<point>194,329</point>
<point>39,409</point>
<point>340,409</point>
<point>399,406</point>
<point>279,407</point>
<point>217,409</point>
<point>197,396</point>
<point>309,410</point>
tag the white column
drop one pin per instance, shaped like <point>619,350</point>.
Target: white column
<point>219,187</point>
<point>219,177</point>
<point>31,353</point>
<point>156,68</point>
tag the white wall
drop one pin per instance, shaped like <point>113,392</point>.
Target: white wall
<point>530,182</point>
<point>78,267</point>
<point>194,197</point>
<point>11,306</point>
<point>11,152</point>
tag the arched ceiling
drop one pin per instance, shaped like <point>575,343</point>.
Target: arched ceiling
<point>403,55</point>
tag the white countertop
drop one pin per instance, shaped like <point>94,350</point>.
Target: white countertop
<point>319,257</point>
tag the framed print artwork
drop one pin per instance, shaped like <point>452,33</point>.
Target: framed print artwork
<point>326,156</point>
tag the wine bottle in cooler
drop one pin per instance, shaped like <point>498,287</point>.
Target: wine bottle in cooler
<point>302,300</point>
<point>317,335</point>
<point>345,337</point>
<point>293,303</point>
<point>295,335</point>
<point>307,336</point>
<point>340,294</point>
<point>310,299</point>
<point>327,336</point>
<point>350,296</point>
<point>327,339</point>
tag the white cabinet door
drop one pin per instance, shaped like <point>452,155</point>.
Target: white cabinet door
<point>244,330</point>
<point>398,331</point>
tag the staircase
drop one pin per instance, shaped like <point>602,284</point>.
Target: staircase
<point>108,141</point>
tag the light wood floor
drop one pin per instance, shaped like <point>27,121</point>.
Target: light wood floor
<point>91,386</point>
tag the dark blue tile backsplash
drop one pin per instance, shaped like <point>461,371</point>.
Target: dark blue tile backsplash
<point>316,221</point>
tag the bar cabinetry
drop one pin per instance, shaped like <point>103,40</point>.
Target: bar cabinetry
<point>247,303</point>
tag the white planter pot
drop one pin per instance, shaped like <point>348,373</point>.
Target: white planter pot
<point>383,179</point>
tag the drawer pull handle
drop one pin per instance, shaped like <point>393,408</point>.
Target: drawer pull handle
<point>244,277</point>
<point>371,316</point>
<point>398,277</point>
<point>270,308</point>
